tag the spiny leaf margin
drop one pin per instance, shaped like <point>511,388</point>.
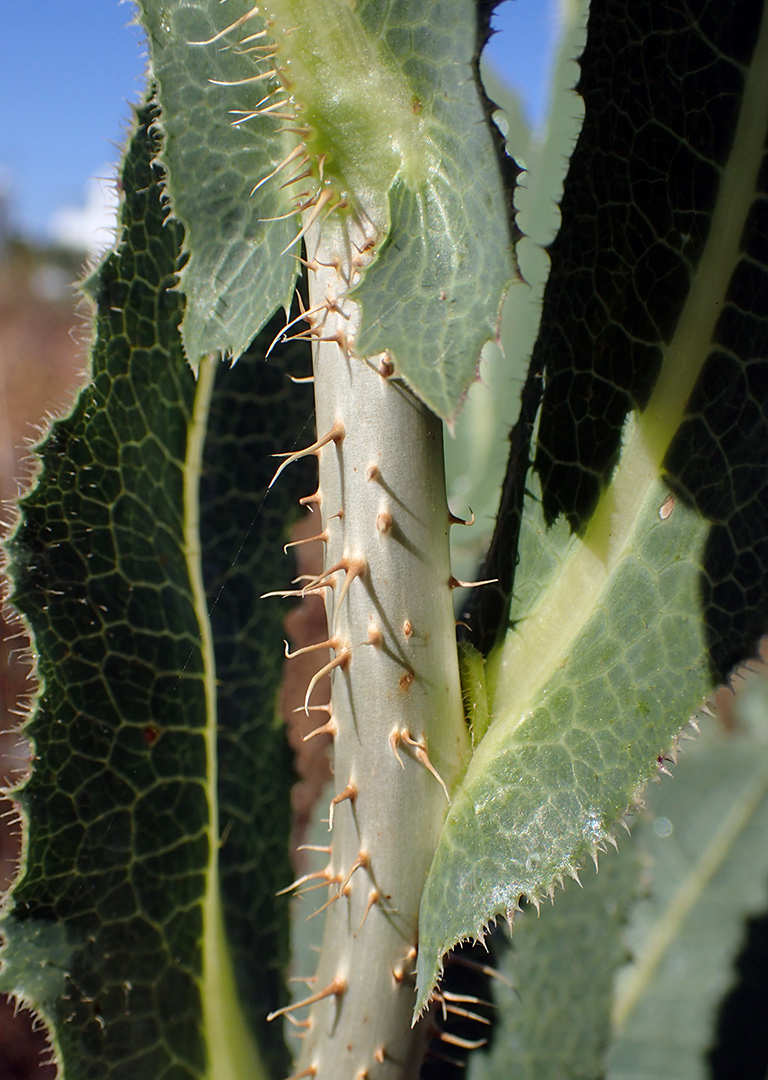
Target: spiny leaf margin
<point>433,295</point>
<point>235,277</point>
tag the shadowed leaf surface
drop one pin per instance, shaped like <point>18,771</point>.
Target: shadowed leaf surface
<point>610,647</point>
<point>560,970</point>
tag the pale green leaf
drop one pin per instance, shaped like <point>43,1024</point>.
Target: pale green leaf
<point>704,834</point>
<point>555,772</point>
<point>433,295</point>
<point>235,277</point>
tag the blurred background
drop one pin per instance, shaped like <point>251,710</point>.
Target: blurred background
<point>69,73</point>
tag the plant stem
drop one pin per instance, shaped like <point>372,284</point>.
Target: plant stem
<point>397,717</point>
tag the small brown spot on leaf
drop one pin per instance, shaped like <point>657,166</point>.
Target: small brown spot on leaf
<point>406,681</point>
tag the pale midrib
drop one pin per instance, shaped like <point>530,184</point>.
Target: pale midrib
<point>232,1053</point>
<point>688,893</point>
<point>545,640</point>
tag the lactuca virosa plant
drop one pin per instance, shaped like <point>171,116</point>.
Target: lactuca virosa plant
<point>351,146</point>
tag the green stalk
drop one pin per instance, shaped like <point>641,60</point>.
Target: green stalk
<point>397,717</point>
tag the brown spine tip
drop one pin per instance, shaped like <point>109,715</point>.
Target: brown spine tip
<point>306,540</point>
<point>372,473</point>
<point>407,629</point>
<point>324,875</point>
<point>329,643</point>
<point>311,1070</point>
<point>340,660</point>
<point>405,970</point>
<point>457,583</point>
<point>456,1040</point>
<point>339,337</point>
<point>348,794</point>
<point>394,742</point>
<point>335,435</point>
<point>406,681</point>
<point>373,898</point>
<point>419,747</point>
<point>386,367</point>
<point>315,497</point>
<point>355,566</point>
<point>362,862</point>
<point>329,728</point>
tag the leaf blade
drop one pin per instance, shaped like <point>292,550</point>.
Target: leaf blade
<point>136,849</point>
<point>235,278</point>
<point>563,581</point>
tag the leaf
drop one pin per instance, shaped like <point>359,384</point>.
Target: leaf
<point>704,835</point>
<point>133,853</point>
<point>701,842</point>
<point>433,295</point>
<point>445,235</point>
<point>475,456</point>
<point>243,527</point>
<point>558,978</point>
<point>609,649</point>
<point>561,762</point>
<point>235,278</point>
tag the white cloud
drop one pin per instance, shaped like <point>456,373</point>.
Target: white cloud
<point>90,227</point>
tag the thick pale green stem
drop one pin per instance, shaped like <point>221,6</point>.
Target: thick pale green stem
<point>399,731</point>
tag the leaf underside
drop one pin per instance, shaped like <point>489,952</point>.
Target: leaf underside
<point>107,932</point>
<point>673,902</point>
<point>235,278</point>
<point>615,631</point>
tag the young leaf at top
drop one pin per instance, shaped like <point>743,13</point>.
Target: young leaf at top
<point>367,111</point>
<point>610,648</point>
<point>433,295</point>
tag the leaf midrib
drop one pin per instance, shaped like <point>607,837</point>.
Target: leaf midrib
<point>231,1048</point>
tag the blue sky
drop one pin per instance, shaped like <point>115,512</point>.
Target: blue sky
<point>68,68</point>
